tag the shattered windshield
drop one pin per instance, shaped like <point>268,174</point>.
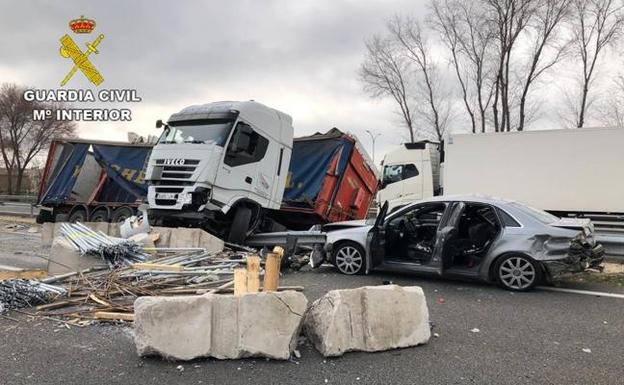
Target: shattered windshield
<point>214,131</point>
<point>538,214</point>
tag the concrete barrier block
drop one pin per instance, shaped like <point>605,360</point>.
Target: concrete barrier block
<point>370,318</point>
<point>219,326</point>
<point>63,258</point>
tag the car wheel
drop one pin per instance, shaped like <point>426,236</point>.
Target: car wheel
<point>517,272</point>
<point>349,258</point>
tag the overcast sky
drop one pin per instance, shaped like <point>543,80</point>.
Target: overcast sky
<point>300,57</point>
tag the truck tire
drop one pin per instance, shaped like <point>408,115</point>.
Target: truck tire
<point>240,225</point>
<point>100,215</point>
<point>121,214</point>
<point>78,215</point>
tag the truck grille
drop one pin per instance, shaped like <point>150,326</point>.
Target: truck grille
<point>183,171</point>
<point>168,202</point>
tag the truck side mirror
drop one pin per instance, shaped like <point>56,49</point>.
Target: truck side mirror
<point>159,123</point>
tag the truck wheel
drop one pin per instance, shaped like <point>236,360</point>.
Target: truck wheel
<point>78,215</point>
<point>99,216</point>
<point>240,225</point>
<point>517,272</point>
<point>121,214</point>
<point>349,258</point>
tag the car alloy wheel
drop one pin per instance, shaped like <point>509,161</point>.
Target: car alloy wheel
<point>349,259</point>
<point>517,273</point>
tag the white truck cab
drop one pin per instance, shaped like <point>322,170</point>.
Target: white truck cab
<point>219,164</point>
<point>410,172</point>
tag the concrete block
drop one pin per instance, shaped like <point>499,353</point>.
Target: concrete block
<point>185,237</point>
<point>47,233</point>
<point>164,235</point>
<point>370,318</point>
<point>219,326</point>
<point>63,258</point>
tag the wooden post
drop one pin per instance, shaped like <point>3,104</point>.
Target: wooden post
<point>271,271</point>
<point>240,281</point>
<point>253,274</point>
<point>279,250</point>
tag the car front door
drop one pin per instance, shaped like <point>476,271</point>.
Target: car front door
<point>377,240</point>
<point>446,235</point>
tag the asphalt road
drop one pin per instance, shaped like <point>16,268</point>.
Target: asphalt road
<point>523,338</point>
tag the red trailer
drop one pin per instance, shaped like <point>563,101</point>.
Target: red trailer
<point>330,179</point>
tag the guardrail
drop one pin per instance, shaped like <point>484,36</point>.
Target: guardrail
<point>18,205</point>
<point>18,198</point>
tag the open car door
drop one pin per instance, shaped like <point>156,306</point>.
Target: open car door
<point>447,233</point>
<point>377,240</point>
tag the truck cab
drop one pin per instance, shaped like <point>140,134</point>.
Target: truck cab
<point>411,172</point>
<point>218,166</point>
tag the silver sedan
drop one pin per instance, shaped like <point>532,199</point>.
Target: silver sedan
<point>476,237</point>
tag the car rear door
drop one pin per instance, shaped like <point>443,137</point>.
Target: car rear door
<point>377,240</point>
<point>446,234</point>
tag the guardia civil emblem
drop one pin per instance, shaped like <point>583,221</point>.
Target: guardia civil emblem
<point>80,59</point>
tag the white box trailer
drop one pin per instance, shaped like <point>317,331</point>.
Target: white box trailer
<point>568,172</point>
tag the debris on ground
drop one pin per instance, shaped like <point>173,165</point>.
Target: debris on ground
<point>19,293</point>
<point>110,294</point>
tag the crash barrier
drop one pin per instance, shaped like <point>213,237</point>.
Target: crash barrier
<point>370,318</point>
<point>18,205</point>
<point>219,326</point>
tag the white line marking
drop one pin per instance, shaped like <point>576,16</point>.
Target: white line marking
<point>583,292</point>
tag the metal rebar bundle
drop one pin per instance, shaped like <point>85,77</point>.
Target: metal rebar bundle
<point>115,251</point>
<point>19,293</point>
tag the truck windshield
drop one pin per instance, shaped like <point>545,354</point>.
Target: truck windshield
<point>215,131</point>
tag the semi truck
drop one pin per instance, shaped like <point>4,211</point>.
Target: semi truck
<point>231,168</point>
<point>91,180</point>
<point>568,172</point>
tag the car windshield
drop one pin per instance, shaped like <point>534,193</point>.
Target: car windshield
<point>215,131</point>
<point>538,214</point>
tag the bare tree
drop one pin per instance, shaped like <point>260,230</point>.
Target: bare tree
<point>408,33</point>
<point>596,24</point>
<point>21,137</point>
<point>468,38</point>
<point>386,72</point>
<point>547,48</point>
<point>446,21</point>
<point>508,19</point>
<point>612,109</point>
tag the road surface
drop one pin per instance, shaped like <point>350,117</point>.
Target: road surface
<point>524,338</point>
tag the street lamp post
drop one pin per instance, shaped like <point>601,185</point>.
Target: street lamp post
<point>373,139</point>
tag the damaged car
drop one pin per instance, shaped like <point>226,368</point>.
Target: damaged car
<point>474,237</point>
